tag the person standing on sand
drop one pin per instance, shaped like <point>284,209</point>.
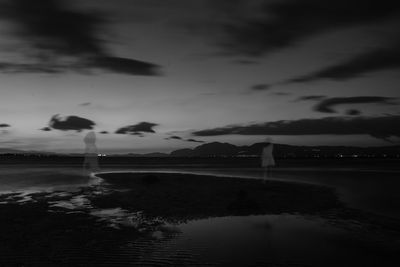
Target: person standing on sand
<point>91,162</point>
<point>267,158</point>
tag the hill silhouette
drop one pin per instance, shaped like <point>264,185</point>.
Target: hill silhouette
<point>218,149</point>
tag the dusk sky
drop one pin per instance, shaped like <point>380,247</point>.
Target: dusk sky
<point>158,75</point>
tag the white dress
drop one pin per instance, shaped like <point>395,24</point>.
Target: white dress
<point>91,162</point>
<point>267,156</point>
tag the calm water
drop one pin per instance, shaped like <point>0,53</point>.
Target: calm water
<point>277,240</point>
<point>268,240</point>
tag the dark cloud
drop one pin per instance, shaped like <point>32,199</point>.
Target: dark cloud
<point>383,58</point>
<point>50,25</point>
<point>60,37</point>
<point>126,66</point>
<point>103,132</point>
<point>194,140</point>
<point>85,104</point>
<point>328,105</point>
<point>280,24</point>
<point>353,112</point>
<point>137,129</point>
<point>46,129</point>
<point>187,140</point>
<point>310,97</point>
<point>245,62</point>
<point>260,87</point>
<point>382,127</point>
<point>112,64</point>
<point>31,68</point>
<point>280,93</point>
<point>174,137</point>
<point>70,123</point>
<point>2,130</point>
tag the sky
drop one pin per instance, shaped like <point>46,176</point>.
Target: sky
<point>159,75</point>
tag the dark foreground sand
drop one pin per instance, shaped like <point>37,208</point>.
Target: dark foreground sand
<point>37,233</point>
<point>177,197</point>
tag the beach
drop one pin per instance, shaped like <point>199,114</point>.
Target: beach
<point>258,133</point>
<point>172,218</point>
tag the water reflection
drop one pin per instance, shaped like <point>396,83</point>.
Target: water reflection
<point>267,158</point>
<point>91,162</point>
<point>278,240</point>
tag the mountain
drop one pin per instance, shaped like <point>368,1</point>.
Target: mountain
<point>147,155</point>
<point>217,149</point>
<point>26,152</point>
<point>208,150</point>
<point>156,155</point>
<point>10,151</point>
<point>186,152</point>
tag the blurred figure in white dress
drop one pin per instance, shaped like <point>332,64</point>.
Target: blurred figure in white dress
<point>267,158</point>
<point>91,162</point>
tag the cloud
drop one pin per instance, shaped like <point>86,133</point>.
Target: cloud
<point>310,97</point>
<point>174,137</point>
<point>279,24</point>
<point>126,66</point>
<point>70,123</point>
<point>327,105</point>
<point>261,87</point>
<point>137,129</point>
<point>2,130</point>
<point>85,104</point>
<point>67,31</point>
<point>111,64</point>
<point>194,140</point>
<point>46,129</point>
<point>382,127</point>
<point>280,93</point>
<point>31,68</point>
<point>61,38</point>
<point>353,112</point>
<point>180,138</point>
<point>245,62</point>
<point>379,59</point>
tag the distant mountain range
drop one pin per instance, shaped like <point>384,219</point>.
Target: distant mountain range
<point>18,151</point>
<point>281,150</point>
<point>217,149</point>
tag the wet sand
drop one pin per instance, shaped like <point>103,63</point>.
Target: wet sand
<point>175,196</point>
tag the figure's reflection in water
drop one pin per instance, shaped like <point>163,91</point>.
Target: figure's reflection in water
<point>267,159</point>
<point>91,162</point>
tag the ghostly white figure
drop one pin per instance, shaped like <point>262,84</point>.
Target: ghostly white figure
<point>267,158</point>
<point>91,163</point>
